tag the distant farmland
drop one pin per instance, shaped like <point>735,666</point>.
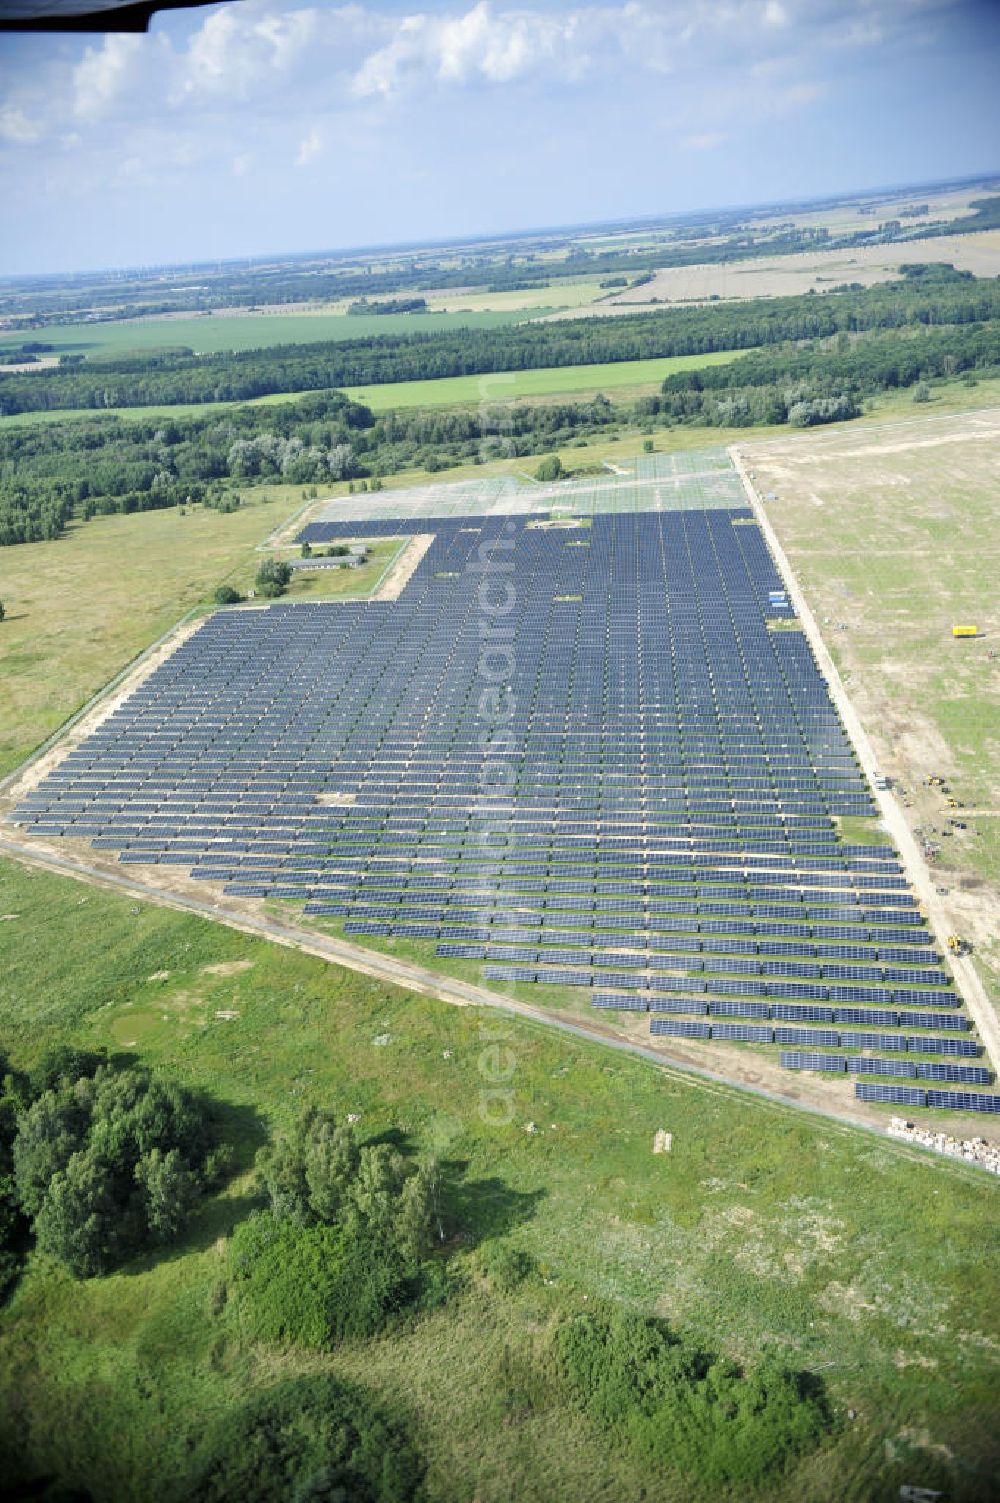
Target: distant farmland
<point>211,334</point>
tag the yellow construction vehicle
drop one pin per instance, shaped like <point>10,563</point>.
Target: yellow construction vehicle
<point>957,945</point>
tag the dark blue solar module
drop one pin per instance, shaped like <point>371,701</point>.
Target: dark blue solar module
<point>897,1095</point>
<point>680,1028</point>
<point>796,1059</point>
<point>746,1033</point>
<point>968,1074</point>
<point>963,1101</point>
<point>654,809</point>
<point>867,1065</point>
<point>820,1038</point>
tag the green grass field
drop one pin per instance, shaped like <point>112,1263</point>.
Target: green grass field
<point>334,584</point>
<point>855,1258</point>
<point>507,386</point>
<point>78,609</point>
<point>210,334</point>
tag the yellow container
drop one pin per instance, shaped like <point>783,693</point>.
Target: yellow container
<point>964,631</point>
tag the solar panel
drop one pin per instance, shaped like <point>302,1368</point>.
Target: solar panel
<point>748,1033</point>
<point>680,1028</point>
<point>870,1065</point>
<point>963,1101</point>
<point>940,1070</point>
<point>676,762</point>
<point>820,1038</point>
<point>897,1095</point>
<point>794,1059</point>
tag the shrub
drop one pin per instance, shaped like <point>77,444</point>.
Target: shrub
<point>272,578</point>
<point>681,1407</point>
<point>226,595</point>
<point>306,1439</point>
<point>313,1285</point>
<point>506,1267</point>
<point>551,468</point>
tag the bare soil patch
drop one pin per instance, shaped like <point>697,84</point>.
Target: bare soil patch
<point>404,567</point>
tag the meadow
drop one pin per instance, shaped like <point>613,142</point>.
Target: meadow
<point>634,377</point>
<point>77,610</point>
<point>862,1261</point>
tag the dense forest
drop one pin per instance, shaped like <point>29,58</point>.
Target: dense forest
<point>54,471</point>
<point>925,296</point>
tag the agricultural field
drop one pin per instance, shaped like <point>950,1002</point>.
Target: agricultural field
<point>806,271</point>
<point>892,533</point>
<point>534,301</point>
<point>866,212</point>
<point>621,378</point>
<point>863,1262</point>
<point>216,332</point>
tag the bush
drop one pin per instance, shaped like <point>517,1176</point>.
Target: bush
<point>681,1407</point>
<point>345,1243</point>
<point>306,1439</point>
<point>506,1267</point>
<point>226,595</point>
<point>551,468</point>
<point>273,578</point>
<point>313,1285</point>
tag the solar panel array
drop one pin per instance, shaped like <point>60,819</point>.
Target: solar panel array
<point>579,757</point>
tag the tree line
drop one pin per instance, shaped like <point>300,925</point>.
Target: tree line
<point>53,472</point>
<point>925,297</point>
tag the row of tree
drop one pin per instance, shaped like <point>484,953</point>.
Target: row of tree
<point>52,472</point>
<point>938,296</point>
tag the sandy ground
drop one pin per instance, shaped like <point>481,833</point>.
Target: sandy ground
<point>404,567</point>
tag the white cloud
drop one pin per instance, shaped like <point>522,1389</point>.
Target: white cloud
<point>707,141</point>
<point>16,127</point>
<point>106,73</point>
<point>496,47</point>
<point>276,66</point>
<point>241,47</point>
<point>309,147</point>
<point>242,164</point>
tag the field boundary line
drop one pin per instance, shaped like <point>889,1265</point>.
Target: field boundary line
<point>451,990</point>
<point>966,976</point>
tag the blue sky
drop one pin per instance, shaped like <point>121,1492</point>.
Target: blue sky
<point>272,125</point>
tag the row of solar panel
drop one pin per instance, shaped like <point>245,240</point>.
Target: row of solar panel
<point>786,1012</point>
<point>956,1101</point>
